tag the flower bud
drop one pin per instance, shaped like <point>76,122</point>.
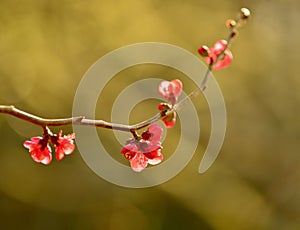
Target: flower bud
<point>245,13</point>
<point>230,23</point>
<point>203,51</point>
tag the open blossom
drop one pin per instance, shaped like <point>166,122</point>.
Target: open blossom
<point>170,90</point>
<point>145,151</point>
<point>212,54</point>
<point>64,145</point>
<point>39,150</point>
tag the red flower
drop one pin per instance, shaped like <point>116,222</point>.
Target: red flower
<point>145,151</point>
<point>170,90</point>
<point>39,150</point>
<point>212,54</point>
<point>64,145</point>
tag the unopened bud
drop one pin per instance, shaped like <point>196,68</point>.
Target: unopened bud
<point>203,51</point>
<point>245,13</point>
<point>230,23</point>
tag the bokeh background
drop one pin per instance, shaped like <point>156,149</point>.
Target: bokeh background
<point>47,46</point>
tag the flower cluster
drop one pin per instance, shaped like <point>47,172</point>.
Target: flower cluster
<point>144,150</point>
<point>170,90</point>
<point>212,55</point>
<point>40,150</point>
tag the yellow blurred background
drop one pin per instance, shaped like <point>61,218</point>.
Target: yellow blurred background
<point>47,46</point>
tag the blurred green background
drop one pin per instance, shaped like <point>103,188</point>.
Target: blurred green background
<point>47,46</point>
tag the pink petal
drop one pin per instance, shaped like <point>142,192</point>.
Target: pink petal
<point>27,144</point>
<point>168,89</point>
<point>177,87</point>
<point>59,153</point>
<point>156,132</point>
<point>41,156</point>
<point>163,89</point>
<point>225,62</point>
<point>68,148</point>
<point>139,162</point>
<point>219,46</point>
<point>131,147</point>
<point>212,57</point>
<point>34,141</point>
<point>47,160</point>
<point>67,145</point>
<point>64,149</point>
<point>155,153</point>
<point>156,160</point>
<point>47,156</point>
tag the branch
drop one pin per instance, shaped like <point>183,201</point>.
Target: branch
<point>81,120</point>
<point>43,122</point>
<point>13,111</point>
